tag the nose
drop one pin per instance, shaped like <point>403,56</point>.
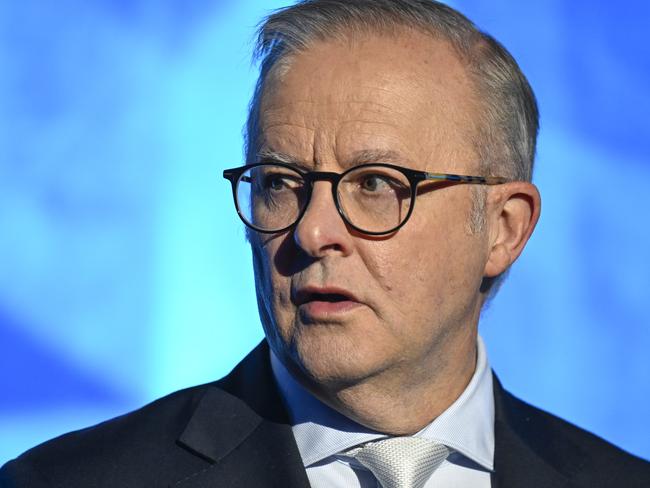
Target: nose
<point>321,230</point>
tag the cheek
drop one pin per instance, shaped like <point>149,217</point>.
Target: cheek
<point>275,275</point>
<point>272,287</point>
<point>415,273</point>
<point>273,297</point>
<point>431,261</point>
<point>401,269</point>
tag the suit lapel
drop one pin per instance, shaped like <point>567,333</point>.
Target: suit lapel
<point>527,453</point>
<point>240,428</point>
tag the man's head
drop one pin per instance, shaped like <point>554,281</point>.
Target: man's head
<point>508,120</point>
<point>402,82</point>
<point>507,130</point>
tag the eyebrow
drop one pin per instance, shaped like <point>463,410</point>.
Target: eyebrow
<point>364,156</point>
<point>271,156</point>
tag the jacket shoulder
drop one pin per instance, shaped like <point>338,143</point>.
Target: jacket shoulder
<point>584,457</point>
<point>119,452</point>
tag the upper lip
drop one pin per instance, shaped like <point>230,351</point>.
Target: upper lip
<point>309,293</point>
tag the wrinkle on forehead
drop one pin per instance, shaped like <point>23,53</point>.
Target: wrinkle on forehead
<point>363,156</point>
<point>349,148</point>
<point>335,99</point>
<point>296,112</point>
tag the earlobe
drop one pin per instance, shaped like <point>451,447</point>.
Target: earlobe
<point>513,213</point>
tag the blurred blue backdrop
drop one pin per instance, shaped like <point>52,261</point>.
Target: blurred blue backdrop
<point>124,273</point>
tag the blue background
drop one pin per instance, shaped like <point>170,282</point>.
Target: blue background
<point>124,273</point>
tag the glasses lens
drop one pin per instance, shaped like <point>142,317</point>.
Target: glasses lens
<point>375,198</point>
<point>271,197</point>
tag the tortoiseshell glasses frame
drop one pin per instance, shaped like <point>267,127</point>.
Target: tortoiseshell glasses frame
<point>298,182</point>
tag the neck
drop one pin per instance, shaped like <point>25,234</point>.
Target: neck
<point>404,400</point>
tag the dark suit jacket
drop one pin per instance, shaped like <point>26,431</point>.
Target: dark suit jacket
<point>234,433</point>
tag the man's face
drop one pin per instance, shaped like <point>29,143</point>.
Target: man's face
<point>340,307</point>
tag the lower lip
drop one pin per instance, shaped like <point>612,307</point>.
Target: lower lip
<point>323,309</point>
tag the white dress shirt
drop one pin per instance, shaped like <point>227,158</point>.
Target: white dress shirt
<point>466,427</point>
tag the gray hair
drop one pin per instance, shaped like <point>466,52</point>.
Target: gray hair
<point>507,129</point>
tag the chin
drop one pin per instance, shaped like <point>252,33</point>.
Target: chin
<point>335,361</point>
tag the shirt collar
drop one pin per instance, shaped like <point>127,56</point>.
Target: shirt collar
<point>467,426</point>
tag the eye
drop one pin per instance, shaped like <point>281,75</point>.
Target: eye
<point>273,182</point>
<point>373,182</point>
<point>280,181</point>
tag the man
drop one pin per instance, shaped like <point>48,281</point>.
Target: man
<point>372,372</point>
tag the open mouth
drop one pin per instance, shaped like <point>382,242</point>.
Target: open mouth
<point>326,297</point>
<point>330,295</point>
<point>324,302</point>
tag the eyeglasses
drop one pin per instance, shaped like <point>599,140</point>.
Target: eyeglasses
<point>374,199</point>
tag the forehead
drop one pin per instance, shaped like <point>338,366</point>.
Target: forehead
<point>407,94</point>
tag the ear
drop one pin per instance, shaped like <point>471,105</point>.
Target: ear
<point>513,210</point>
